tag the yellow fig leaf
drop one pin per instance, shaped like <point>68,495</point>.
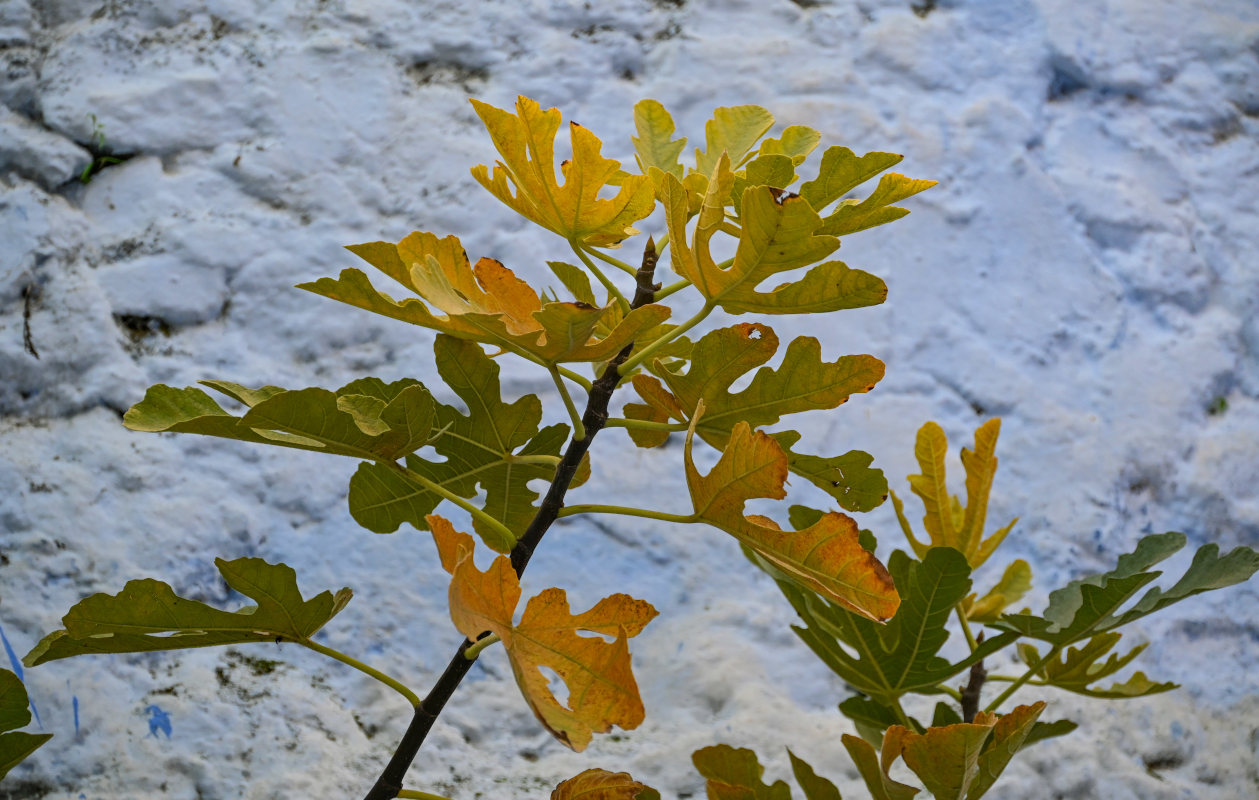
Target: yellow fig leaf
<point>1015,582</point>
<point>653,146</point>
<point>980,465</point>
<point>796,142</point>
<point>601,688</point>
<point>525,178</point>
<point>733,130</point>
<point>826,557</point>
<point>483,303</point>
<point>777,234</point>
<point>842,171</point>
<point>599,784</point>
<point>947,523</point>
<point>877,209</point>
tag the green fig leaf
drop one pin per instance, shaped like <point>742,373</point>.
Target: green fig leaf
<point>1080,667</point>
<point>148,616</point>
<point>842,171</point>
<point>735,774</point>
<point>15,709</point>
<point>1093,605</point>
<point>885,661</point>
<point>17,746</point>
<point>338,422</point>
<point>815,787</point>
<point>946,522</point>
<point>874,771</point>
<point>494,445</point>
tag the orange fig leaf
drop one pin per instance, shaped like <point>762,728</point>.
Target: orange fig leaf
<point>599,784</point>
<point>826,557</point>
<point>601,687</point>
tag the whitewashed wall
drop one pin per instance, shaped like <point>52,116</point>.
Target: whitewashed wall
<point>1087,269</point>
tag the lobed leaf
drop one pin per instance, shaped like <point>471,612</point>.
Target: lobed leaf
<point>946,522</point>
<point>653,146</point>
<point>602,690</point>
<point>148,616</point>
<point>1015,582</point>
<point>803,382</point>
<point>486,303</point>
<point>842,171</point>
<point>396,421</point>
<point>886,661</point>
<point>1078,668</point>
<point>525,177</point>
<point>877,209</point>
<point>1093,605</point>
<point>492,447</point>
<point>734,131</point>
<point>827,557</point>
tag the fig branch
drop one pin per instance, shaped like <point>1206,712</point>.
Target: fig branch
<point>594,419</point>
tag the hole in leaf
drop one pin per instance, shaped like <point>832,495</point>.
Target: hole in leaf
<point>555,684</point>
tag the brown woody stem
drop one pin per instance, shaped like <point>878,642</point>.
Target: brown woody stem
<point>971,691</point>
<point>594,419</point>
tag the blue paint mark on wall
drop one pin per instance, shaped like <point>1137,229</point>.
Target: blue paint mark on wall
<point>74,700</point>
<point>17,670</point>
<point>159,720</point>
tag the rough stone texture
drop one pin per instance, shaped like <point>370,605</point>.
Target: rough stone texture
<point>37,154</point>
<point>1086,270</point>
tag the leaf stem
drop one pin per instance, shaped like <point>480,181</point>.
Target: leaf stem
<point>1022,679</point>
<point>646,425</point>
<point>472,652</point>
<point>603,279</point>
<point>627,511</point>
<point>446,494</point>
<point>616,262</point>
<point>392,683</point>
<point>579,430</point>
<point>950,691</point>
<point>901,715</point>
<point>546,461</point>
<point>673,288</point>
<point>672,335</point>
<point>575,377</point>
<point>970,637</point>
